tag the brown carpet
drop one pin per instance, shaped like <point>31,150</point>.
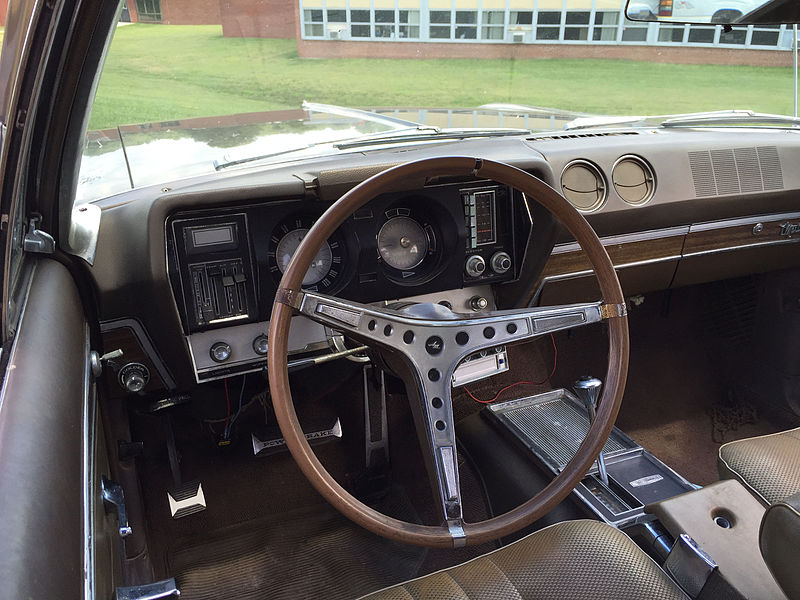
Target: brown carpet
<point>674,382</point>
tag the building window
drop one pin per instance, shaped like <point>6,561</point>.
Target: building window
<point>440,24</point>
<point>765,35</point>
<point>493,24</point>
<point>313,23</point>
<point>409,24</point>
<point>670,34</point>
<point>701,35</point>
<point>149,11</point>
<point>466,25</point>
<point>548,17</point>
<point>384,23</point>
<point>634,32</point>
<point>337,16</point>
<point>520,17</point>
<point>360,24</point>
<point>605,26</point>
<point>736,36</point>
<point>577,25</point>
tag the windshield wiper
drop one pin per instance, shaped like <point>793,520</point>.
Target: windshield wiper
<point>698,119</point>
<point>366,115</point>
<point>443,134</point>
<point>730,117</point>
<point>218,166</point>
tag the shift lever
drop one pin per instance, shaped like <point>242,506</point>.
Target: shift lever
<point>588,390</point>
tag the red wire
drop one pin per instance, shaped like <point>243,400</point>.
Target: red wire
<point>508,387</point>
<point>227,404</point>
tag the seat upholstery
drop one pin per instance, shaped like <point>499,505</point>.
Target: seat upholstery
<point>573,560</point>
<point>779,540</point>
<point>768,465</point>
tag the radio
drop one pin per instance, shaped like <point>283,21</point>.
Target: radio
<point>216,270</point>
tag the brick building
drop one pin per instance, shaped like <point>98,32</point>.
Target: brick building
<point>453,29</point>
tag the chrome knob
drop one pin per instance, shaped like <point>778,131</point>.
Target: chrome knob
<point>133,377</point>
<point>478,303</point>
<point>220,352</point>
<point>261,345</point>
<point>475,266</point>
<point>500,262</point>
<point>587,389</point>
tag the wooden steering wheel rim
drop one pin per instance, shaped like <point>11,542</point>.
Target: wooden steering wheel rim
<point>611,399</point>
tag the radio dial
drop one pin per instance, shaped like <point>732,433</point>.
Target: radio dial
<point>501,262</point>
<point>475,266</point>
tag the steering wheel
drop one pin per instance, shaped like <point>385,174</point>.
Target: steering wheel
<point>425,342</point>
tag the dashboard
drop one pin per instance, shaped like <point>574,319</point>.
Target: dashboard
<point>225,265</point>
<point>185,273</point>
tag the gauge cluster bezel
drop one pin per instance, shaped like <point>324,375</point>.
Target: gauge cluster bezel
<point>363,274</point>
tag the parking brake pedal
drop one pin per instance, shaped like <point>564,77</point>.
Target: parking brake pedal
<point>185,498</point>
<point>270,440</point>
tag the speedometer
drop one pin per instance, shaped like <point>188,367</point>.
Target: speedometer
<point>286,248</point>
<point>286,238</point>
<point>403,243</point>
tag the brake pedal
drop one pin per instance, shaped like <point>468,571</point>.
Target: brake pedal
<point>186,499</point>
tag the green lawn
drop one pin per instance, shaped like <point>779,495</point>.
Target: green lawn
<point>158,72</point>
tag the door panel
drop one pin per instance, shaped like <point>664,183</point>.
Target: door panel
<point>44,421</point>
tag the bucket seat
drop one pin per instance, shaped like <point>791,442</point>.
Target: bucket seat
<point>572,560</point>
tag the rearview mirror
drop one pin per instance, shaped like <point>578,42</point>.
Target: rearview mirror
<point>724,12</point>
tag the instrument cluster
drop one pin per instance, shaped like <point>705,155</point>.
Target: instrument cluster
<point>225,265</point>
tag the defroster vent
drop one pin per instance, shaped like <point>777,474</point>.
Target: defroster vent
<point>736,171</point>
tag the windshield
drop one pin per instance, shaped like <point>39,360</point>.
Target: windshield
<point>190,88</point>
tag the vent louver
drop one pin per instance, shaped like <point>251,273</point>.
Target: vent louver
<point>736,171</point>
<point>573,136</point>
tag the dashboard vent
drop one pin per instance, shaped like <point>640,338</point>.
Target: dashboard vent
<point>736,171</point>
<point>573,136</point>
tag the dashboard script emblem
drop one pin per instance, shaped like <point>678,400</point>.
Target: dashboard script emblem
<point>789,229</point>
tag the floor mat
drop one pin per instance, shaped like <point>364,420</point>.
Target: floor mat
<point>303,554</point>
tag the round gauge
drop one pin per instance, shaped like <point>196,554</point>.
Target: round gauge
<point>403,243</point>
<point>286,248</point>
<point>285,240</point>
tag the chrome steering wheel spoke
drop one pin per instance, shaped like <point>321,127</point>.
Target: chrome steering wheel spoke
<point>424,343</point>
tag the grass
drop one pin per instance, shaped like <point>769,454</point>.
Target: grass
<point>158,72</point>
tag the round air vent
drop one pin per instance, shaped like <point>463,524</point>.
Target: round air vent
<point>633,179</point>
<point>583,185</point>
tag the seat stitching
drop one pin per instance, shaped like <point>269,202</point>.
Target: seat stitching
<point>453,579</point>
<point>503,573</point>
<point>741,479</point>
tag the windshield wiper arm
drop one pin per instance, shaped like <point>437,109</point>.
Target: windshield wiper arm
<point>730,117</point>
<point>366,115</point>
<point>218,166</point>
<point>445,134</point>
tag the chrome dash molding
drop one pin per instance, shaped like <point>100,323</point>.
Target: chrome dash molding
<point>627,238</point>
<point>655,234</point>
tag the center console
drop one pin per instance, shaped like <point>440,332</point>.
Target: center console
<point>552,425</point>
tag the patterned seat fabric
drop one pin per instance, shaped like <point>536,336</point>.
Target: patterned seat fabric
<point>769,465</point>
<point>573,560</point>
